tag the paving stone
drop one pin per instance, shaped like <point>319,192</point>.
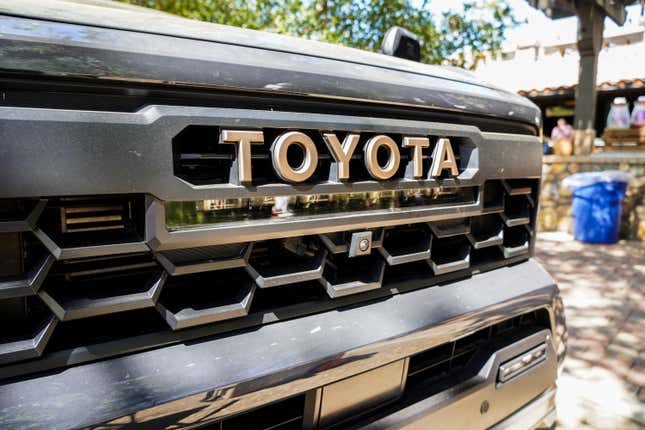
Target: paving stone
<point>636,377</point>
<point>628,352</point>
<point>627,338</point>
<point>603,382</point>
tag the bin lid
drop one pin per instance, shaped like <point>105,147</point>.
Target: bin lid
<point>588,178</point>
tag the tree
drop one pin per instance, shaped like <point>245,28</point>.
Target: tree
<point>456,37</point>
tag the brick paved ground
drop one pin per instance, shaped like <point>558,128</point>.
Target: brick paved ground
<point>603,382</point>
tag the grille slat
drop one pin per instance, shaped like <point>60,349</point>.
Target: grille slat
<point>486,231</point>
<point>449,228</point>
<point>92,226</point>
<point>101,287</point>
<point>516,241</point>
<point>29,282</point>
<point>75,305</point>
<point>285,262</point>
<point>31,346</point>
<point>517,210</point>
<point>345,276</point>
<point>191,300</point>
<point>92,276</point>
<point>518,187</point>
<point>204,259</point>
<point>27,326</point>
<point>405,245</point>
<point>450,255</point>
<point>456,361</point>
<point>24,264</point>
<point>20,216</point>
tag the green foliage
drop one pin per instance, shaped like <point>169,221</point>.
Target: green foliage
<point>459,37</point>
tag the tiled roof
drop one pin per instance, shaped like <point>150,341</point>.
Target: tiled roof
<point>546,70</point>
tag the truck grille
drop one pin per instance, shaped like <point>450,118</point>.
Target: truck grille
<point>77,273</point>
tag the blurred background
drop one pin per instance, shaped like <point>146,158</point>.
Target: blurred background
<point>583,63</point>
<point>530,47</point>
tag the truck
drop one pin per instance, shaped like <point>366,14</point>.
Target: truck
<point>203,226</point>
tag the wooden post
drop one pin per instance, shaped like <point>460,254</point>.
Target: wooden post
<point>590,27</point>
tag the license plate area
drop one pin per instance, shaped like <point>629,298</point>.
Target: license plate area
<point>356,395</point>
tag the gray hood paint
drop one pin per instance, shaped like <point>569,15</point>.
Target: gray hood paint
<point>286,64</point>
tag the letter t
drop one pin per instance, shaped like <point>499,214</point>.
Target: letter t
<point>243,139</point>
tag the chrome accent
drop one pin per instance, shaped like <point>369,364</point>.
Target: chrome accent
<point>204,213</point>
<point>443,155</point>
<point>158,237</point>
<point>193,164</point>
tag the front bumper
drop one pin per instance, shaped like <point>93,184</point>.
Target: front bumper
<point>539,414</point>
<point>198,382</point>
<point>482,402</point>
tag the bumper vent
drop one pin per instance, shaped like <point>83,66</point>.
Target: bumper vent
<point>443,366</point>
<point>77,273</point>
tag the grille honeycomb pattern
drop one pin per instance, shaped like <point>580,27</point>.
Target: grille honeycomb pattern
<point>211,284</point>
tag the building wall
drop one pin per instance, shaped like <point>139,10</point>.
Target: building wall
<point>555,200</point>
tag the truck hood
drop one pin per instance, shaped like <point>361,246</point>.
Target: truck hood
<point>233,57</point>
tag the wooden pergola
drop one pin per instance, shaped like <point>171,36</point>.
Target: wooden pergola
<point>591,16</point>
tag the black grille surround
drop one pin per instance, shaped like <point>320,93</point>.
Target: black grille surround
<point>81,295</point>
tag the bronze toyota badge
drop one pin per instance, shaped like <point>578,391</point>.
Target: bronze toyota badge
<point>443,157</point>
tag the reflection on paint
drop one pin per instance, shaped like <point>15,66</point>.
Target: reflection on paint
<point>215,211</point>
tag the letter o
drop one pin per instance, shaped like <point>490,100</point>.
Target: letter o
<point>281,164</point>
<point>370,156</point>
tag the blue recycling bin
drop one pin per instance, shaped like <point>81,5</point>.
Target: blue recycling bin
<point>597,206</point>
